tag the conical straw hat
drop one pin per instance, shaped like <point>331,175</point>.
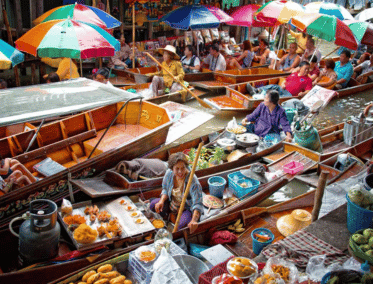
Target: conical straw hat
<point>297,220</point>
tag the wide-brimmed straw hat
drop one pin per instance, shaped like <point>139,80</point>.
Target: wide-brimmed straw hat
<point>171,49</point>
<point>297,220</point>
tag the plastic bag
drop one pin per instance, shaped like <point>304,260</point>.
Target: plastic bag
<point>284,266</point>
<point>214,34</point>
<point>66,207</point>
<point>269,279</point>
<point>188,37</point>
<point>232,124</point>
<point>198,37</point>
<point>207,36</point>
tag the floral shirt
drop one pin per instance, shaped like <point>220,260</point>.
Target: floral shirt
<point>175,68</point>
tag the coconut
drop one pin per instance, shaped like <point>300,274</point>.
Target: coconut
<point>359,239</point>
<point>356,196</point>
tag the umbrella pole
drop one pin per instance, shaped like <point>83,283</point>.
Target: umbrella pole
<point>81,67</point>
<point>133,36</point>
<point>278,48</point>
<point>70,68</point>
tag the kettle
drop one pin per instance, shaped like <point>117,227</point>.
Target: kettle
<point>39,234</point>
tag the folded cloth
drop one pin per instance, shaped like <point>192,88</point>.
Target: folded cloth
<point>301,246</point>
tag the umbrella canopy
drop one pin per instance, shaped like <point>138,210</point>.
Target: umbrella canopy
<point>9,56</point>
<point>82,13</point>
<point>326,27</point>
<point>282,11</point>
<point>68,38</point>
<point>365,15</point>
<point>195,17</point>
<point>330,9</point>
<point>244,16</point>
<point>363,31</point>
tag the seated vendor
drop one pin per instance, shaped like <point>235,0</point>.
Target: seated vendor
<point>311,49</point>
<point>162,79</point>
<point>247,55</point>
<point>148,168</point>
<point>289,61</point>
<point>121,58</point>
<point>215,61</point>
<point>365,70</point>
<point>301,40</point>
<point>52,78</point>
<point>173,187</point>
<point>231,62</point>
<point>344,69</point>
<point>262,52</point>
<point>327,77</point>
<point>296,84</point>
<point>67,69</point>
<point>102,76</point>
<point>269,117</point>
<point>190,61</point>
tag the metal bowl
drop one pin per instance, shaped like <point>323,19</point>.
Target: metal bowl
<point>227,144</point>
<point>192,266</point>
<point>247,140</point>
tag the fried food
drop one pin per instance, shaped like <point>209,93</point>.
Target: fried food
<point>139,221</point>
<point>87,275</point>
<point>127,282</point>
<point>158,223</point>
<point>92,217</point>
<point>102,281</point>
<point>93,278</point>
<point>123,202</point>
<point>241,267</point>
<point>84,234</point>
<point>281,270</point>
<point>105,268</point>
<point>110,275</point>
<point>110,230</point>
<point>118,280</point>
<point>147,256</point>
<point>74,219</point>
<point>103,216</point>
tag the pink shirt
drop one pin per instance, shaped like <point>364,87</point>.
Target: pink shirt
<point>314,71</point>
<point>295,84</point>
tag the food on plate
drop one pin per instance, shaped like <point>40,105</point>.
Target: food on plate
<point>74,219</point>
<point>147,255</point>
<point>87,275</point>
<point>135,214</point>
<point>118,280</point>
<point>225,278</point>
<point>92,217</point>
<point>283,271</point>
<point>237,130</point>
<point>139,221</point>
<point>241,267</point>
<point>93,278</point>
<point>105,268</point>
<point>110,230</point>
<point>130,208</point>
<point>84,234</point>
<point>103,216</point>
<point>266,279</point>
<point>244,185</point>
<point>89,210</point>
<point>157,223</point>
<point>123,202</point>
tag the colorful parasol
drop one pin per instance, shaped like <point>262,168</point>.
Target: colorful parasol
<point>282,11</point>
<point>195,17</point>
<point>244,16</point>
<point>82,13</point>
<point>9,56</point>
<point>365,15</point>
<point>68,38</point>
<point>326,27</point>
<point>363,31</point>
<point>330,9</point>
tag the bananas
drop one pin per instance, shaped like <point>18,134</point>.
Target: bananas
<point>237,227</point>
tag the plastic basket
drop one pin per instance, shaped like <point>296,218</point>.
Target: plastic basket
<point>217,186</point>
<point>293,167</point>
<point>206,278</point>
<point>358,218</point>
<point>236,179</point>
<point>143,272</point>
<point>196,250</point>
<point>257,245</point>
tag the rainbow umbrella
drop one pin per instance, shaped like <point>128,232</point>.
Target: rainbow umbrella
<point>195,17</point>
<point>363,31</point>
<point>326,27</point>
<point>244,16</point>
<point>282,11</point>
<point>330,9</point>
<point>78,12</point>
<point>9,56</point>
<point>68,38</point>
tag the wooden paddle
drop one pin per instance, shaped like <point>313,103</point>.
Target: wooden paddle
<point>186,193</point>
<point>202,103</point>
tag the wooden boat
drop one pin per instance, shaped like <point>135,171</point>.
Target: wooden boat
<point>181,96</point>
<point>138,128</point>
<point>237,98</point>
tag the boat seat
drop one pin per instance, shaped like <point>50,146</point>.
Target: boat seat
<point>117,135</point>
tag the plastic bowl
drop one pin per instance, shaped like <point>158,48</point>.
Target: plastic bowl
<point>251,276</point>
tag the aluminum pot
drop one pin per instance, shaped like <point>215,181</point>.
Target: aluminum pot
<point>247,140</point>
<point>192,266</point>
<point>227,144</point>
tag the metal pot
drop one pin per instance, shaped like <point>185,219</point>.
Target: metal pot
<point>247,140</point>
<point>226,144</point>
<point>192,266</point>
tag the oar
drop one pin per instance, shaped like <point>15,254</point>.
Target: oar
<point>186,193</point>
<point>202,103</point>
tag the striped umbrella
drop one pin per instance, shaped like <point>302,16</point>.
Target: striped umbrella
<point>363,31</point>
<point>330,9</point>
<point>9,56</point>
<point>82,13</point>
<point>326,27</point>
<point>282,11</point>
<point>68,38</point>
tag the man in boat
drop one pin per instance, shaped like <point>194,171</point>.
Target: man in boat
<point>67,69</point>
<point>301,40</point>
<point>344,69</point>
<point>173,187</point>
<point>311,49</point>
<point>162,82</point>
<point>269,117</point>
<point>215,60</point>
<point>296,84</point>
<point>365,70</point>
<point>190,61</point>
<point>289,61</point>
<point>52,78</point>
<point>262,52</point>
<point>121,58</point>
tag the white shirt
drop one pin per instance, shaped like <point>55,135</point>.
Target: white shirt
<point>366,67</point>
<point>186,61</point>
<point>216,64</point>
<point>317,54</point>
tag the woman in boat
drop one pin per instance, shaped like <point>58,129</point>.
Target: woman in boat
<point>289,61</point>
<point>314,71</point>
<point>67,69</point>
<point>164,83</point>
<point>173,187</point>
<point>225,46</point>
<point>52,78</point>
<point>102,76</point>
<point>247,55</point>
<point>328,77</point>
<point>269,118</point>
<point>262,52</point>
<point>231,62</point>
<point>365,70</point>
<point>190,61</point>
<point>121,58</point>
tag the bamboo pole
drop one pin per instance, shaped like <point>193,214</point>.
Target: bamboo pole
<point>186,193</point>
<point>133,36</point>
<point>319,195</point>
<point>121,16</point>
<point>108,7</point>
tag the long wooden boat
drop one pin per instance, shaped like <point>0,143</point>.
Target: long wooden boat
<point>237,98</point>
<point>181,96</point>
<point>138,128</point>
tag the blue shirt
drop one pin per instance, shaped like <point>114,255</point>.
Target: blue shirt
<point>194,199</point>
<point>266,122</point>
<point>344,72</point>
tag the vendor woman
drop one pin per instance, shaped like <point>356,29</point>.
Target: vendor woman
<point>162,79</point>
<point>269,117</point>
<point>174,184</point>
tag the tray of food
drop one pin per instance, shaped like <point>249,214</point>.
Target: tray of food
<point>90,225</point>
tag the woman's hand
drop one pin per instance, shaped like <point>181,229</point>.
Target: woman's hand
<point>159,206</point>
<point>193,225</point>
<point>244,121</point>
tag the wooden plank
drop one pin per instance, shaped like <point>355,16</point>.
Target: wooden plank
<point>32,12</point>
<point>18,14</point>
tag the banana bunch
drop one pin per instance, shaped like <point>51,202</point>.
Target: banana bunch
<point>237,227</point>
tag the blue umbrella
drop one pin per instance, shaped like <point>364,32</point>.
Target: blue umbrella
<point>9,56</point>
<point>195,17</point>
